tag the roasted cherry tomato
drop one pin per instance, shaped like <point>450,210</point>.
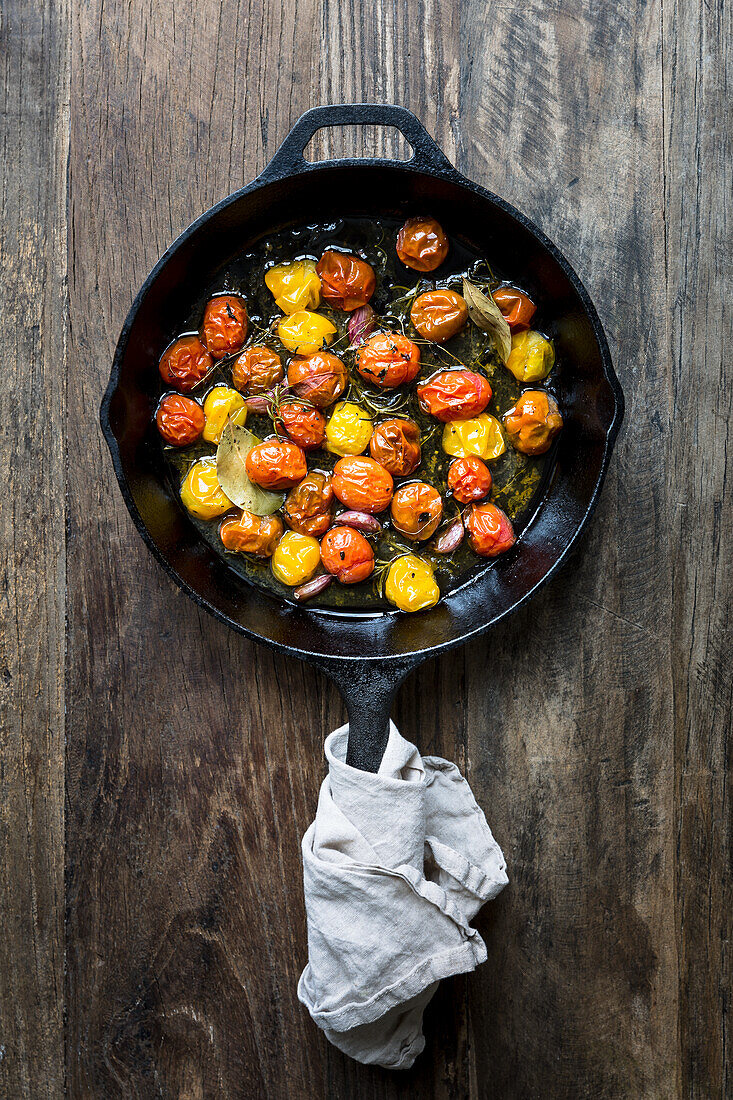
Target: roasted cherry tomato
<point>294,286</point>
<point>221,405</point>
<point>518,309</point>
<point>257,369</point>
<point>180,420</point>
<point>276,464</point>
<point>303,423</point>
<point>349,429</point>
<point>489,530</point>
<point>388,359</point>
<point>454,395</point>
<point>531,358</point>
<point>439,314</point>
<point>185,363</point>
<point>296,558</point>
<point>410,584</point>
<point>533,422</point>
<point>395,444</point>
<point>346,281</point>
<point>251,534</point>
<point>201,492</point>
<point>225,325</point>
<point>347,555</point>
<point>416,510</point>
<point>320,378</point>
<point>304,332</point>
<point>362,484</point>
<point>481,436</point>
<point>469,479</point>
<point>422,244</point>
<point>307,507</point>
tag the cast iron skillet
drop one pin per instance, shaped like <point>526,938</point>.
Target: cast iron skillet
<point>367,656</point>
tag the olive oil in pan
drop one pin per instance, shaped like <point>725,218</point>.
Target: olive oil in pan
<point>518,480</point>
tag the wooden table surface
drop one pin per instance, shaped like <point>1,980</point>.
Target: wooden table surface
<point>157,771</point>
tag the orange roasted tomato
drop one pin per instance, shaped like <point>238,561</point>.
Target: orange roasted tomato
<point>303,423</point>
<point>276,464</point>
<point>416,510</point>
<point>469,479</point>
<point>533,422</point>
<point>395,444</point>
<point>439,314</point>
<point>250,534</point>
<point>320,378</point>
<point>347,555</point>
<point>257,369</point>
<point>180,420</point>
<point>489,530</point>
<point>388,359</point>
<point>225,325</point>
<point>346,281</point>
<point>185,363</point>
<point>307,507</point>
<point>517,308</point>
<point>422,244</point>
<point>362,484</point>
<point>454,395</point>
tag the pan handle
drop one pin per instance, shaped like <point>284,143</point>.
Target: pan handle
<point>289,159</point>
<point>368,688</point>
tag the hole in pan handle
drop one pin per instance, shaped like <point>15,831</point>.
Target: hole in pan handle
<point>289,159</point>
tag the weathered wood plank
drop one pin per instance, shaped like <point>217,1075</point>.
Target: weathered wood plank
<point>33,139</point>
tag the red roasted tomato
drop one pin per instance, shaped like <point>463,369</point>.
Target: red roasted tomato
<point>416,510</point>
<point>533,422</point>
<point>303,423</point>
<point>489,530</point>
<point>395,444</point>
<point>469,479</point>
<point>320,378</point>
<point>185,363</point>
<point>250,534</point>
<point>422,244</point>
<point>276,464</point>
<point>517,308</point>
<point>454,395</point>
<point>225,325</point>
<point>346,281</point>
<point>347,555</point>
<point>439,314</point>
<point>180,420</point>
<point>257,370</point>
<point>362,484</point>
<point>307,507</point>
<point>388,359</point>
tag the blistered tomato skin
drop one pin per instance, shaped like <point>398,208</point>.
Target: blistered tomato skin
<point>307,507</point>
<point>276,465</point>
<point>225,325</point>
<point>422,244</point>
<point>411,584</point>
<point>416,510</point>
<point>469,479</point>
<point>517,308</point>
<point>347,555</point>
<point>489,530</point>
<point>257,370</point>
<point>454,395</point>
<point>185,363</point>
<point>388,359</point>
<point>395,444</point>
<point>349,429</point>
<point>296,558</point>
<point>201,493</point>
<point>294,286</point>
<point>303,423</point>
<point>247,533</point>
<point>305,332</point>
<point>439,314</point>
<point>480,436</point>
<point>320,377</point>
<point>533,422</point>
<point>362,484</point>
<point>532,357</point>
<point>180,420</point>
<point>346,281</point>
<point>221,405</point>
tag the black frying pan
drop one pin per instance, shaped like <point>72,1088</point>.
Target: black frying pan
<point>367,656</point>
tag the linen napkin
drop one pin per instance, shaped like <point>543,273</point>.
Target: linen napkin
<point>395,865</point>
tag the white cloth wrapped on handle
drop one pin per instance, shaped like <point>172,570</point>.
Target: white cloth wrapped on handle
<point>395,865</point>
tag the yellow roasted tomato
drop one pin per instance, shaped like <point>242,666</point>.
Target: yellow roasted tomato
<point>222,404</point>
<point>411,584</point>
<point>201,492</point>
<point>305,333</point>
<point>482,436</point>
<point>295,286</point>
<point>349,429</point>
<point>296,558</point>
<point>532,356</point>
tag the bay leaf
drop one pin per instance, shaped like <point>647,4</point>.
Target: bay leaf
<point>235,444</point>
<point>485,313</point>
